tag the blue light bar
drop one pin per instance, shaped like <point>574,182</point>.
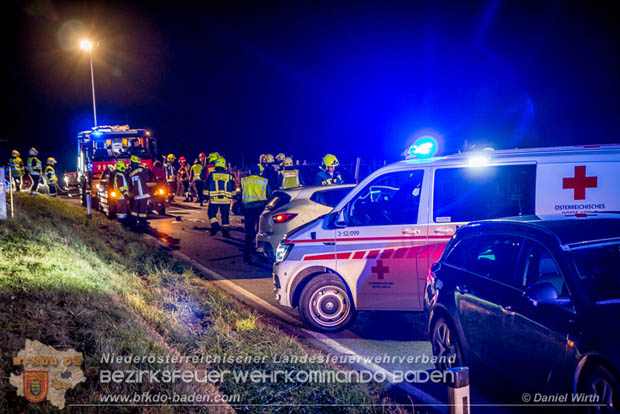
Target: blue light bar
<point>424,147</point>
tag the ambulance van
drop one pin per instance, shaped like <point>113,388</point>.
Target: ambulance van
<point>373,251</point>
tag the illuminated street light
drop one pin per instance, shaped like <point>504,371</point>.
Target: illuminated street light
<point>87,46</point>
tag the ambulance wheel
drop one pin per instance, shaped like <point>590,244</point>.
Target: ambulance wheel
<point>325,304</point>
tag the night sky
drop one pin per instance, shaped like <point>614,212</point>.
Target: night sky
<point>306,78</point>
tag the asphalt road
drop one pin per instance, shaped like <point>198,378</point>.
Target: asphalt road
<point>392,334</point>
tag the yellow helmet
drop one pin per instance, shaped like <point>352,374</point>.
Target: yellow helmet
<point>220,162</point>
<point>330,160</point>
<point>288,162</point>
<point>121,166</point>
<point>261,158</point>
<point>280,157</point>
<point>269,159</point>
<point>171,157</point>
<point>134,159</point>
<point>214,156</point>
<point>51,160</point>
<point>15,153</point>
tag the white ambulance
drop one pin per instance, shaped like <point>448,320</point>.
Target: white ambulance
<point>373,251</point>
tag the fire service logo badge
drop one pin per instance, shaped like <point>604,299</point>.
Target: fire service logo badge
<point>36,385</point>
<point>46,373</point>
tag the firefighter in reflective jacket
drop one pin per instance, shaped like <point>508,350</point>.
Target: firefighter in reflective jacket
<point>121,190</point>
<point>183,175</point>
<point>16,165</point>
<point>328,174</point>
<point>171,176</point>
<point>139,190</point>
<point>50,175</point>
<point>255,192</point>
<point>213,157</point>
<point>33,165</point>
<point>219,187</point>
<point>288,176</point>
<point>196,180</point>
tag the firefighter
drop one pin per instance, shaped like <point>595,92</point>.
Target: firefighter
<point>195,177</point>
<point>183,176</point>
<point>328,174</point>
<point>121,188</point>
<point>219,187</point>
<point>50,175</point>
<point>255,192</point>
<point>289,177</point>
<point>280,158</point>
<point>262,161</point>
<point>33,165</point>
<point>139,190</point>
<point>16,166</point>
<point>268,171</point>
<point>171,176</point>
<point>213,157</point>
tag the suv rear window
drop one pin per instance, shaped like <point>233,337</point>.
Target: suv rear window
<point>279,199</point>
<point>477,193</point>
<point>329,198</point>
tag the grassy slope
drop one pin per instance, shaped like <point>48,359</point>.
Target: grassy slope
<point>92,286</point>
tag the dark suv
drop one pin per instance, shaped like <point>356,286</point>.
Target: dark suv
<point>537,301</point>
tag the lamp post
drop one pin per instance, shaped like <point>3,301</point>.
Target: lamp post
<point>87,46</point>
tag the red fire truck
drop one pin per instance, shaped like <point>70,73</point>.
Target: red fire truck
<point>99,149</point>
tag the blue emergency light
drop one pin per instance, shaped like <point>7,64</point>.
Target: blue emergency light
<point>424,147</point>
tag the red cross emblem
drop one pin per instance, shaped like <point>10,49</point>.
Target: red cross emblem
<point>579,183</point>
<point>379,269</point>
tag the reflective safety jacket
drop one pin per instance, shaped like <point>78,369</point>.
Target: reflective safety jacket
<point>138,179</point>
<point>34,166</point>
<point>171,171</point>
<point>323,178</point>
<point>120,184</point>
<point>196,171</point>
<point>254,191</point>
<point>50,174</point>
<point>289,179</point>
<point>17,166</point>
<point>219,186</point>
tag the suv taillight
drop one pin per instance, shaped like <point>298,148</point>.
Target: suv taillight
<point>283,217</point>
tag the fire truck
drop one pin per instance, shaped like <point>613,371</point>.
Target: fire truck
<point>99,149</point>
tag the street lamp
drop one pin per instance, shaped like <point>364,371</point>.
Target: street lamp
<point>87,46</point>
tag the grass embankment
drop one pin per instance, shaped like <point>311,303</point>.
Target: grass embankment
<point>90,285</point>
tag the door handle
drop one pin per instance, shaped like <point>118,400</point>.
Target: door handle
<point>507,310</point>
<point>329,243</point>
<point>411,231</point>
<point>462,289</point>
<point>443,230</point>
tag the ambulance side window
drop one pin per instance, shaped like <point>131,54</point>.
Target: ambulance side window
<point>392,198</point>
<point>477,193</point>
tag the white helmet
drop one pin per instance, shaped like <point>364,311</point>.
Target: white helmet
<point>33,152</point>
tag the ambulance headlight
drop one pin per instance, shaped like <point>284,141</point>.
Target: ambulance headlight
<point>283,251</point>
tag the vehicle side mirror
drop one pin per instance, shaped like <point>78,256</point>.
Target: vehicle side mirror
<point>336,219</point>
<point>541,293</point>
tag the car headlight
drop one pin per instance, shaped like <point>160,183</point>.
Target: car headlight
<point>283,251</point>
